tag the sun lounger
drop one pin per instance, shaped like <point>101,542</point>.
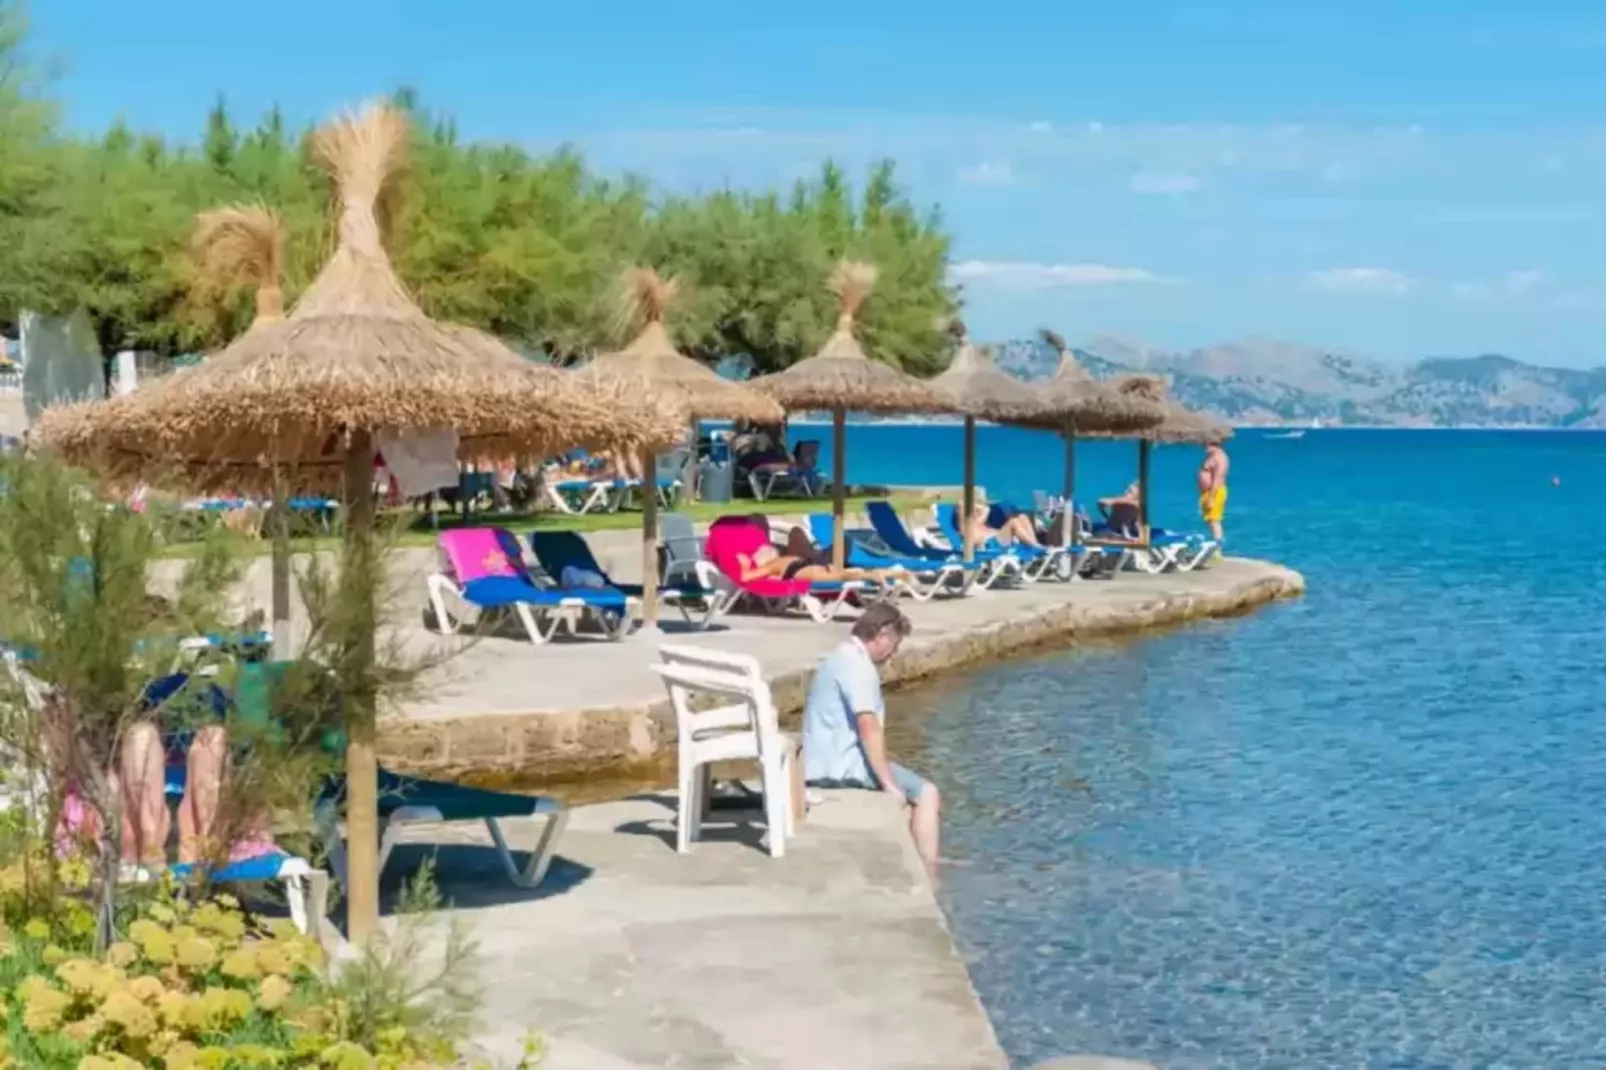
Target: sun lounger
<point>402,799</point>
<point>484,568</point>
<point>406,800</point>
<point>731,536</point>
<point>921,578</point>
<point>995,565</point>
<point>559,551</point>
<point>306,888</point>
<point>579,495</point>
<point>801,473</point>
<point>1036,562</point>
<point>686,563</point>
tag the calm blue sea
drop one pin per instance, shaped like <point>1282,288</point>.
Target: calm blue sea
<point>1359,830</point>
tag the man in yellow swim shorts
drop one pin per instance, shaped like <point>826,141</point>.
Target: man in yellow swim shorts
<point>1213,490</point>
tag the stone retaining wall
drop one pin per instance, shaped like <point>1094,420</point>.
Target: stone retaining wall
<point>554,748</point>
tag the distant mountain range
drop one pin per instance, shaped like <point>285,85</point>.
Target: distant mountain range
<point>1262,381</point>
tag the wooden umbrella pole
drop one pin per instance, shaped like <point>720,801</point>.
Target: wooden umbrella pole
<point>1068,511</point>
<point>969,499</point>
<point>839,467</point>
<point>649,539</point>
<point>358,580</point>
<point>1143,488</point>
<point>279,525</point>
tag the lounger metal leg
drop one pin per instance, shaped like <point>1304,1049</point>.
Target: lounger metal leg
<point>535,870</point>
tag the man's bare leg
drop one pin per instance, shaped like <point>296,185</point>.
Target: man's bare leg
<point>142,782</point>
<point>925,825</point>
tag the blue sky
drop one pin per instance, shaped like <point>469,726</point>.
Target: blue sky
<point>1330,172</point>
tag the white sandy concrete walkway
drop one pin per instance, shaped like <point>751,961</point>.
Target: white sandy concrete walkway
<point>835,956</point>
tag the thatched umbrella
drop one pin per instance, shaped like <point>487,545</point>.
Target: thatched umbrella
<point>651,365</point>
<point>307,394</point>
<point>1087,406</point>
<point>237,246</point>
<point>841,379</point>
<point>979,389</point>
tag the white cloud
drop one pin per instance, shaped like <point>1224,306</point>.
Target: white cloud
<point>1163,182</point>
<point>1025,275</point>
<point>1360,280</point>
<point>1512,284</point>
<point>988,173</point>
<point>1041,126</point>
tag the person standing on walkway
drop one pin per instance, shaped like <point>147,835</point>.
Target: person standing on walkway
<point>1213,490</point>
<point>844,720</point>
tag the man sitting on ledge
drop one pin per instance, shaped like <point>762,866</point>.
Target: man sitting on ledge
<point>843,718</point>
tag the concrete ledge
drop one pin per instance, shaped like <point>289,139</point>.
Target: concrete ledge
<point>562,740</point>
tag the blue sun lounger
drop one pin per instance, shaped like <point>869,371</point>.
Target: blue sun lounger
<point>559,551</point>
<point>995,564</point>
<point>405,800</point>
<point>402,800</point>
<point>1035,561</point>
<point>484,568</point>
<point>925,577</point>
<point>306,887</point>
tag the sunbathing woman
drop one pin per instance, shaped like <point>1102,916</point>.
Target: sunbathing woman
<point>768,563</point>
<point>1014,529</point>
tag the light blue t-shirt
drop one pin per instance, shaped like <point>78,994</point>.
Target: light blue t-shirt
<point>845,685</point>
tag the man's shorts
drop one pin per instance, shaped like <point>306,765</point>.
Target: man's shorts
<point>911,783</point>
<point>1213,505</point>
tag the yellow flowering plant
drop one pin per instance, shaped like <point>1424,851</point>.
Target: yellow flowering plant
<point>202,988</point>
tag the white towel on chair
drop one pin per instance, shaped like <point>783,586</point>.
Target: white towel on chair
<point>420,461</point>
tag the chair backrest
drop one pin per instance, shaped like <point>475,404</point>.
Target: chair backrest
<point>822,529</point>
<point>478,553</point>
<point>681,541</point>
<point>807,453</point>
<point>558,550</point>
<point>672,465</point>
<point>732,535</point>
<point>948,523</point>
<point>887,524</point>
<point>750,708</point>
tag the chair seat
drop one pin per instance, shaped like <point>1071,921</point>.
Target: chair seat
<point>264,867</point>
<point>456,802</point>
<point>493,591</point>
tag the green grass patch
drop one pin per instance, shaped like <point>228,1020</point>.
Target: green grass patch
<point>409,528</point>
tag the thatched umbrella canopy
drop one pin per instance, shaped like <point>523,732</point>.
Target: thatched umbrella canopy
<point>1086,406</point>
<point>653,366</point>
<point>840,379</point>
<point>356,354</point>
<point>1185,425</point>
<point>307,394</point>
<point>1180,425</point>
<point>980,390</point>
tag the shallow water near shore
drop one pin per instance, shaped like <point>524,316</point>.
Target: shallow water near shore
<point>1362,829</point>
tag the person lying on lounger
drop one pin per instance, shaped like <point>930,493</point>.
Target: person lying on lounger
<point>137,778</point>
<point>768,563</point>
<point>1011,530</point>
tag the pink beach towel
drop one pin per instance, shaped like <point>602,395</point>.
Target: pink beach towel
<point>730,536</point>
<point>480,553</point>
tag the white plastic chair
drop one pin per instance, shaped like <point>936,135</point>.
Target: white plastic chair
<point>744,727</point>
